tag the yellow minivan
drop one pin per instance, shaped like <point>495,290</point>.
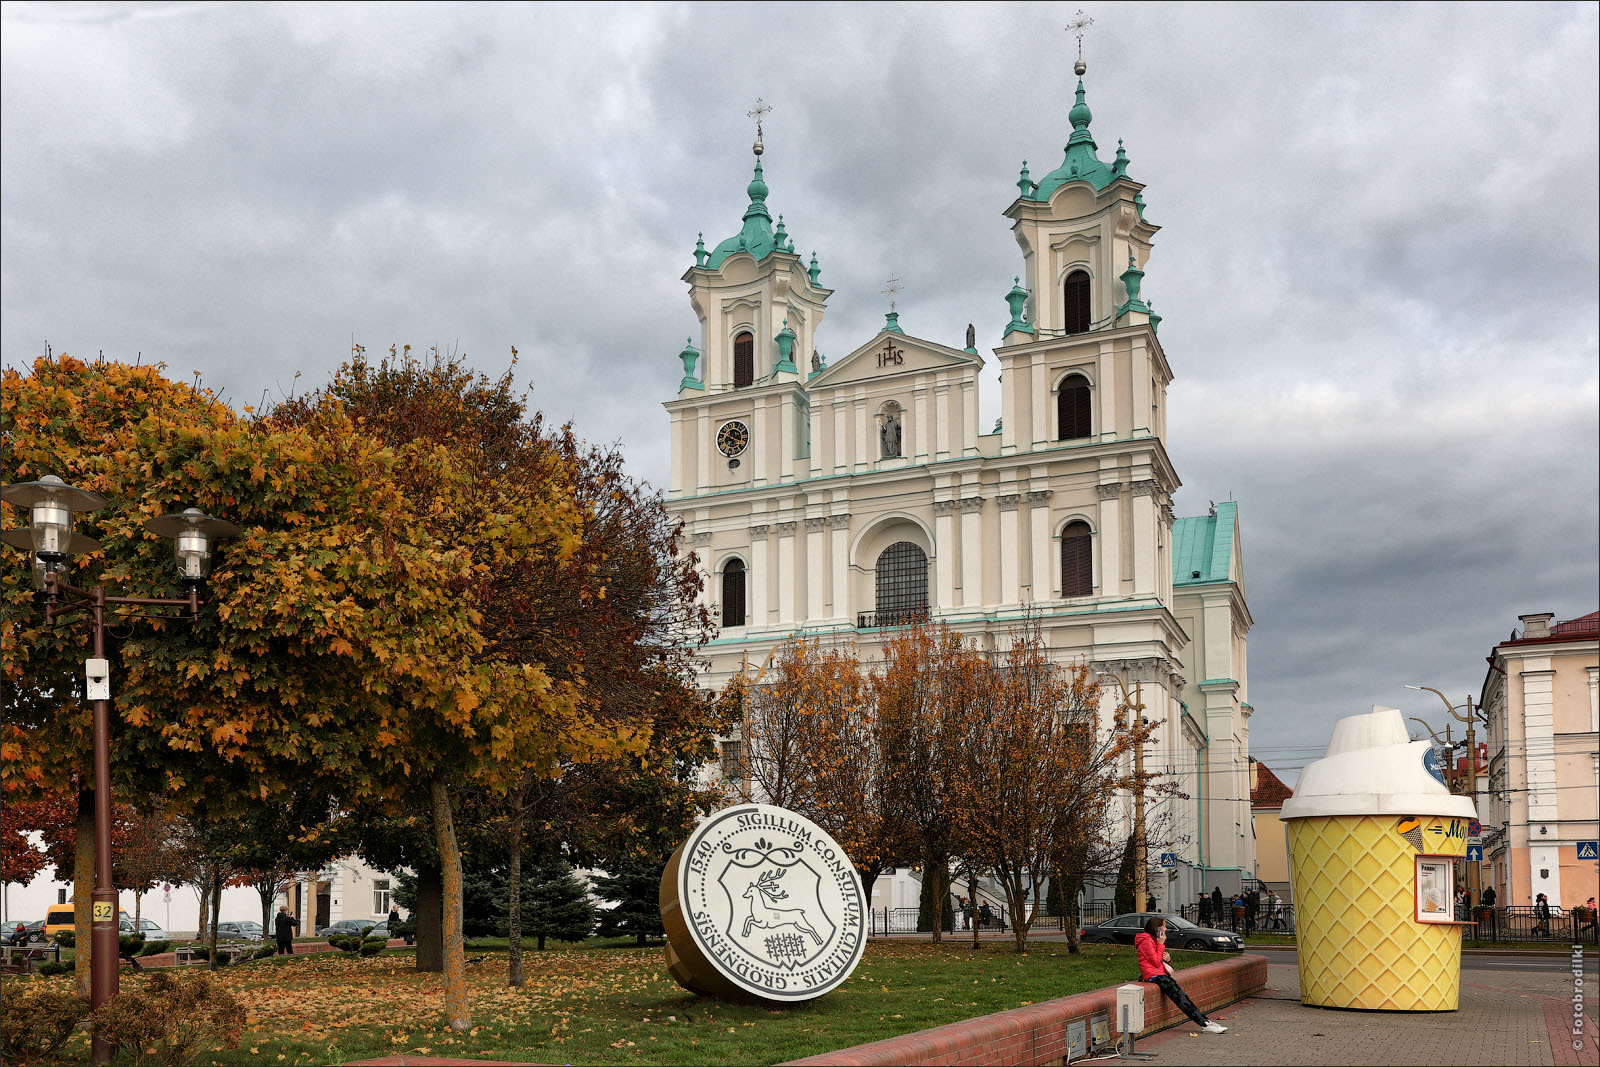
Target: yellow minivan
<point>57,919</point>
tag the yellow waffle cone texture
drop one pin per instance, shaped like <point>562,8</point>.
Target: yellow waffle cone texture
<point>1355,916</point>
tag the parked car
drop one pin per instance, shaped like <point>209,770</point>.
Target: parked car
<point>240,931</point>
<point>347,926</point>
<point>1181,933</point>
<point>151,931</point>
<point>35,931</point>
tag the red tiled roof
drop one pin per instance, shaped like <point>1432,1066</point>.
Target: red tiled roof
<point>1269,791</point>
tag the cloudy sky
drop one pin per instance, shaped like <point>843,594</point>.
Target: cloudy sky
<point>1377,268</point>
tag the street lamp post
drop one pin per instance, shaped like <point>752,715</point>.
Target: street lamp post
<point>51,504</point>
<point>1470,718</point>
<point>1135,703</point>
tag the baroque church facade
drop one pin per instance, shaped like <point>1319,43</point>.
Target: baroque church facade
<point>838,501</point>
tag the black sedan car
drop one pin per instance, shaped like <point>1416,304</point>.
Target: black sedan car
<point>1181,933</point>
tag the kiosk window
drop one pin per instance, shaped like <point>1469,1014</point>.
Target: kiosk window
<point>1436,891</point>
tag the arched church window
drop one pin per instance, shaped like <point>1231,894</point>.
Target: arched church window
<point>1072,408</point>
<point>733,593</point>
<point>744,359</point>
<point>1077,560</point>
<point>1075,300</point>
<point>902,584</point>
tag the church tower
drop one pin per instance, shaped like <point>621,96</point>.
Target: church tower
<point>741,418</point>
<point>841,502</point>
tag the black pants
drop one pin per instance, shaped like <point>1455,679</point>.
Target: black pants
<point>285,946</point>
<point>1174,992</point>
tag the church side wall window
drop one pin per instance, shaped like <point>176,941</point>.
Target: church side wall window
<point>733,593</point>
<point>902,574</point>
<point>744,359</point>
<point>1075,301</point>
<point>1077,560</point>
<point>1072,408</point>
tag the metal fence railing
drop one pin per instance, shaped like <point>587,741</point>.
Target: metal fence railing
<point>1266,920</point>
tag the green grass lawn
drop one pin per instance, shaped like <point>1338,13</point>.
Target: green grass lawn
<point>603,1004</point>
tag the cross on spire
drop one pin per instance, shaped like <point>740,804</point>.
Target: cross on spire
<point>1079,23</point>
<point>758,113</point>
<point>891,289</point>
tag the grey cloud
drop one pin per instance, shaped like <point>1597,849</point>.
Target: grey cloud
<point>1378,265</point>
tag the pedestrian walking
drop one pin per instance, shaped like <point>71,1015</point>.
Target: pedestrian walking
<point>1216,904</point>
<point>1589,914</point>
<point>1488,896</point>
<point>1541,912</point>
<point>1155,967</point>
<point>1205,910</point>
<point>1149,902</point>
<point>394,918</point>
<point>985,916</point>
<point>283,930</point>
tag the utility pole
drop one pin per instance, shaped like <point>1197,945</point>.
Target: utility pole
<point>1474,871</point>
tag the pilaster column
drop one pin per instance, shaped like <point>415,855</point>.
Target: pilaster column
<point>944,553</point>
<point>1039,388</point>
<point>1040,588</point>
<point>839,564</point>
<point>971,551</point>
<point>701,539</point>
<point>1145,516</point>
<point>1108,541</point>
<point>815,593</point>
<point>760,575</point>
<point>786,572</point>
<point>1010,550</point>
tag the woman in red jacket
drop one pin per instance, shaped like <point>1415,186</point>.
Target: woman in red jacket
<point>1155,965</point>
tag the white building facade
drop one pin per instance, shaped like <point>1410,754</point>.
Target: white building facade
<point>838,501</point>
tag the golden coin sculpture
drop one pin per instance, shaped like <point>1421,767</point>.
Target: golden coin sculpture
<point>760,904</point>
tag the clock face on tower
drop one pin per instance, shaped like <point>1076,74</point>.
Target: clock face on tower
<point>732,438</point>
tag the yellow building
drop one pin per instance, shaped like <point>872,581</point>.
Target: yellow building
<point>1267,794</point>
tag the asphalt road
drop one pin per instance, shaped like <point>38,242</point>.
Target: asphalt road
<point>1470,961</point>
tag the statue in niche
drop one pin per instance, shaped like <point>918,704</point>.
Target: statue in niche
<point>889,434</point>
<point>972,336</point>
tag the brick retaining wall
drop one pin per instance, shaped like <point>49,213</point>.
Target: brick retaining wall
<point>1037,1034</point>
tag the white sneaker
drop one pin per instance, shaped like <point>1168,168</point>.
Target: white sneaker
<point>1215,1028</point>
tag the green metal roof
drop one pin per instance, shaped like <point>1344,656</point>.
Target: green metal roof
<point>756,236</point>
<point>1082,163</point>
<point>1202,546</point>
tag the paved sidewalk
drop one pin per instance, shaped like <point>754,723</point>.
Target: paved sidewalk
<point>1506,1017</point>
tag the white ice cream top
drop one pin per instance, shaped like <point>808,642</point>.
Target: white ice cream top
<point>1373,768</point>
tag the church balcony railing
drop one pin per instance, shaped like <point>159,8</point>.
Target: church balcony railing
<point>876,620</point>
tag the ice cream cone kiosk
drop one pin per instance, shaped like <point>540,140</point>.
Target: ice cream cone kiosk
<point>1374,838</point>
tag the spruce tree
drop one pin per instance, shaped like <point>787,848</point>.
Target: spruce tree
<point>636,889</point>
<point>555,904</point>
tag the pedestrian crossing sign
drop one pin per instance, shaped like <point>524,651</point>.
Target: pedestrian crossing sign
<point>1588,850</point>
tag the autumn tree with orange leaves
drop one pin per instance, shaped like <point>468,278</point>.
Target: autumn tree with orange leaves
<point>928,692</point>
<point>813,736</point>
<point>1039,773</point>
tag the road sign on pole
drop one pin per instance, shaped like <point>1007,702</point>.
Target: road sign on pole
<point>1588,850</point>
<point>1474,853</point>
<point>1169,859</point>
